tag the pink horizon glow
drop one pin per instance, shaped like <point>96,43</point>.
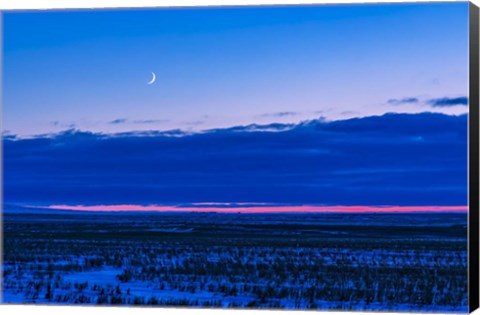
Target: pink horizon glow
<point>264,209</point>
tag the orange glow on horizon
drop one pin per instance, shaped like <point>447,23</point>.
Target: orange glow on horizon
<point>264,209</point>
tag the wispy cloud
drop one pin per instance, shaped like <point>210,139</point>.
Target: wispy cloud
<point>6,134</point>
<point>150,121</point>
<point>118,121</point>
<point>405,100</point>
<point>433,102</point>
<point>138,121</point>
<point>349,112</point>
<point>57,123</point>
<point>448,101</point>
<point>279,114</point>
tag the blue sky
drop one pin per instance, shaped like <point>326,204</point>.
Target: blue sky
<point>221,67</point>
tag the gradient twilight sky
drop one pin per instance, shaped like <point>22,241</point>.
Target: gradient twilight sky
<point>308,108</point>
<point>219,67</point>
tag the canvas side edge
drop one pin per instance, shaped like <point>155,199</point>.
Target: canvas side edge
<point>474,202</point>
<point>1,154</point>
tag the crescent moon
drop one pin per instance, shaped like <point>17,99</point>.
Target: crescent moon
<point>154,77</point>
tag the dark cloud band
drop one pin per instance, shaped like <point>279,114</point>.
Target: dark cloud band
<point>394,159</point>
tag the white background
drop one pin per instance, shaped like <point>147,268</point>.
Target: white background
<point>48,4</point>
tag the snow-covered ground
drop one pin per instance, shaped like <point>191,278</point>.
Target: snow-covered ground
<point>282,261</point>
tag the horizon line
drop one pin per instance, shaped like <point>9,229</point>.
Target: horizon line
<point>257,208</point>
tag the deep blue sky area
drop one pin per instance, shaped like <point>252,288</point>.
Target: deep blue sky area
<point>324,104</point>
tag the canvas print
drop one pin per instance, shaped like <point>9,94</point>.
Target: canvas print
<point>281,157</point>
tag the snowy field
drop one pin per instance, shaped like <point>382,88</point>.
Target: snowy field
<point>397,262</point>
